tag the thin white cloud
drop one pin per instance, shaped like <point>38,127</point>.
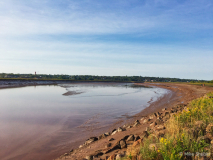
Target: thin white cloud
<point>22,18</point>
<point>21,22</point>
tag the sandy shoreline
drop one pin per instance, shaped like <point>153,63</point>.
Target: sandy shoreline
<point>178,94</point>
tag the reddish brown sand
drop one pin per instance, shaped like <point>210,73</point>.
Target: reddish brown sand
<point>181,94</point>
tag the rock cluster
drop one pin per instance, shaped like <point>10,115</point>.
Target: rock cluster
<point>155,129</point>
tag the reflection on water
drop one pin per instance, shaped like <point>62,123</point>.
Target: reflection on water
<point>39,121</point>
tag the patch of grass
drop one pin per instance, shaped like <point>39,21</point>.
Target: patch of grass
<point>201,84</point>
<point>185,131</point>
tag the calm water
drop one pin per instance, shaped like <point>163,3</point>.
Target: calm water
<point>42,122</point>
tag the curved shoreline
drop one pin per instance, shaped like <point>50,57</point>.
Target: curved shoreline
<point>178,94</point>
<point>181,94</point>
<point>52,152</point>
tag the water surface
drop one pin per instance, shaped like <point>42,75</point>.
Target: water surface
<point>43,122</point>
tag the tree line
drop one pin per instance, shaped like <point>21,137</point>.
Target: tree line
<point>97,78</point>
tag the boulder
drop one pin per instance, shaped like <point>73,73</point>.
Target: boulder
<point>173,111</point>
<point>153,124</point>
<point>146,120</point>
<point>136,123</point>
<point>125,137</point>
<point>97,154</point>
<point>90,157</point>
<point>113,133</point>
<point>107,133</point>
<point>143,118</point>
<point>158,114</point>
<point>159,127</point>
<point>119,129</point>
<point>166,115</point>
<point>138,142</point>
<point>123,144</point>
<point>164,109</point>
<point>111,139</point>
<point>114,147</point>
<point>144,134</point>
<point>66,154</point>
<point>155,114</point>
<point>159,117</point>
<point>159,121</point>
<point>102,136</point>
<point>128,127</point>
<point>152,116</point>
<point>108,145</point>
<point>90,140</point>
<point>119,156</point>
<point>136,137</point>
<point>130,138</point>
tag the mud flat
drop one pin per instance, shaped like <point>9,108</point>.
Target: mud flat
<point>115,142</point>
<point>40,122</point>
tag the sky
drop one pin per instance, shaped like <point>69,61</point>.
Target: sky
<point>160,38</point>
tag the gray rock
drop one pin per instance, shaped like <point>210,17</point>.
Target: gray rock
<point>66,154</point>
<point>130,138</point>
<point>119,129</point>
<point>111,139</point>
<point>102,136</point>
<point>143,118</point>
<point>114,132</point>
<point>136,123</point>
<point>108,145</point>
<point>119,156</point>
<point>164,109</point>
<point>151,116</point>
<point>107,133</point>
<point>159,127</point>
<point>166,115</point>
<point>129,127</point>
<point>136,137</point>
<point>153,124</point>
<point>89,157</point>
<point>146,120</point>
<point>90,140</point>
<point>144,134</point>
<point>123,144</point>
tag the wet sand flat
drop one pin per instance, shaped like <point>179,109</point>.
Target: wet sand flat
<point>39,122</point>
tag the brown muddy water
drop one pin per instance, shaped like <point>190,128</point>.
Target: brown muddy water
<point>43,122</point>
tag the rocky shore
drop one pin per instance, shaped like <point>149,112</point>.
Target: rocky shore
<point>113,144</point>
<point>152,124</point>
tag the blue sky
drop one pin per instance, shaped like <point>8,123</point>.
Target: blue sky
<point>161,38</point>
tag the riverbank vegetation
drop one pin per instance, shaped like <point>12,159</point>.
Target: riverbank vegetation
<point>35,76</point>
<point>189,135</point>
